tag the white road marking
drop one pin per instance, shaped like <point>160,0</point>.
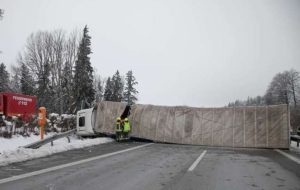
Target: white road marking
<point>13,169</point>
<point>288,156</point>
<point>193,166</point>
<point>13,178</point>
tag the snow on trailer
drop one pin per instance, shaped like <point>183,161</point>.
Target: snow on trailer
<point>20,105</point>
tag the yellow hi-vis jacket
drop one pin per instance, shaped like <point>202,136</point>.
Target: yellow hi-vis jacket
<point>118,125</point>
<point>126,125</point>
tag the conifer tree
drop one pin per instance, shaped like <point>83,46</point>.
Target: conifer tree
<point>108,90</point>
<point>26,81</point>
<point>4,78</point>
<point>84,92</point>
<point>130,92</point>
<point>117,87</point>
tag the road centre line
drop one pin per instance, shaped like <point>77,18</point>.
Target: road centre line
<point>193,166</point>
<point>30,174</point>
<point>288,156</point>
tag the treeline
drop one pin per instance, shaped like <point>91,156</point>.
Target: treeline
<point>283,89</point>
<point>119,89</point>
<point>55,67</point>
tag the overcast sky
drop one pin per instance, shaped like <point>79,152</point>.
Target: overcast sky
<point>182,52</point>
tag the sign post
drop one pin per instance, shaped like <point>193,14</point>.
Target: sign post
<point>42,120</point>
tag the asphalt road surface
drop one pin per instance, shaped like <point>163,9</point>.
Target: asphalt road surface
<point>137,165</point>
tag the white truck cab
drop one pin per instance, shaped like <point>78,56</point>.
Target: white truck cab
<point>86,121</point>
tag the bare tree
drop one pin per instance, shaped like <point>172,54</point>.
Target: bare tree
<point>70,55</point>
<point>99,84</point>
<point>294,85</point>
<point>284,88</point>
<point>15,79</point>
<point>50,58</point>
<point>37,58</point>
<point>57,41</point>
<point>278,90</point>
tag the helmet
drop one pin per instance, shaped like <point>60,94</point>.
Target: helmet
<point>126,119</point>
<point>118,119</point>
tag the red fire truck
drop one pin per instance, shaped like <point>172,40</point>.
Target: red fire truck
<point>20,105</point>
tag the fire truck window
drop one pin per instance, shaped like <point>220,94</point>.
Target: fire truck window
<point>81,121</point>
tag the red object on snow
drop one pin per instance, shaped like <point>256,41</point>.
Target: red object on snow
<point>20,105</point>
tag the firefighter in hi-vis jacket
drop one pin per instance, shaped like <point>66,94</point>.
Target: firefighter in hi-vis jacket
<point>122,129</point>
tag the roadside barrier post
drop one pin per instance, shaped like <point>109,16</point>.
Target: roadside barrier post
<point>42,120</point>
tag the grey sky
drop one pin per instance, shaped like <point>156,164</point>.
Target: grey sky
<point>184,52</point>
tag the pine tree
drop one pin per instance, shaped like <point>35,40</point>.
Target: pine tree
<point>117,87</point>
<point>130,92</point>
<point>108,90</point>
<point>4,78</point>
<point>44,90</point>
<point>27,83</point>
<point>84,92</point>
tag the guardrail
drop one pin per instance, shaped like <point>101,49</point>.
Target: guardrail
<point>295,138</point>
<point>40,143</point>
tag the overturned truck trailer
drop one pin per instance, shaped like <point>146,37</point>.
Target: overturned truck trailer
<point>261,127</point>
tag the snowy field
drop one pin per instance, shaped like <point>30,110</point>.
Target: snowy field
<point>11,150</point>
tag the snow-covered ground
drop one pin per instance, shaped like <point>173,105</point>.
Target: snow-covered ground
<point>294,147</point>
<point>17,141</point>
<point>11,150</point>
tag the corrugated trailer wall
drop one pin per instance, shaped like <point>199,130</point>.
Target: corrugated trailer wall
<point>263,127</point>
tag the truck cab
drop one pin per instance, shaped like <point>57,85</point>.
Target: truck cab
<point>86,121</point>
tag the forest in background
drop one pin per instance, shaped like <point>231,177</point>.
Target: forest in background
<point>283,89</point>
<point>55,67</point>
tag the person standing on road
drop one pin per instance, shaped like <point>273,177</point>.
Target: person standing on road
<point>118,129</point>
<point>126,127</point>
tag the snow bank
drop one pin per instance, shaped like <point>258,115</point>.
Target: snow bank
<point>12,152</point>
<point>16,141</point>
<point>294,147</point>
<point>53,115</point>
<point>68,116</point>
